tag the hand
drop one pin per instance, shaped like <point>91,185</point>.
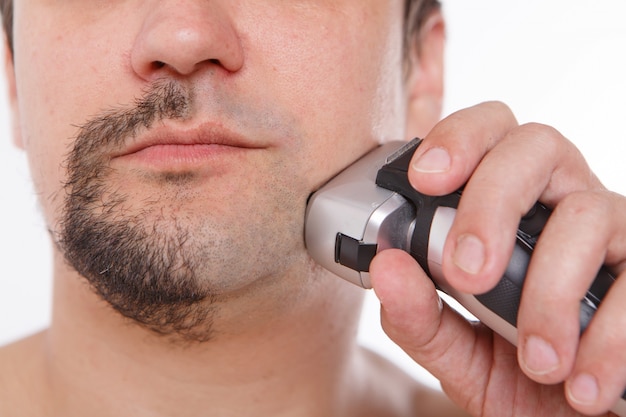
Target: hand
<point>507,168</point>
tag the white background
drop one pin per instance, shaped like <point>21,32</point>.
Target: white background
<point>559,62</point>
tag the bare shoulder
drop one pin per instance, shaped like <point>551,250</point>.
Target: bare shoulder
<point>21,365</point>
<point>394,393</point>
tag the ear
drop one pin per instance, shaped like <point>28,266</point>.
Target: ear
<point>425,77</point>
<point>9,70</point>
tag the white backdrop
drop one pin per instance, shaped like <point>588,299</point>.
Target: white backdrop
<point>559,62</point>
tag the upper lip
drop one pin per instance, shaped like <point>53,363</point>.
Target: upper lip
<point>205,134</point>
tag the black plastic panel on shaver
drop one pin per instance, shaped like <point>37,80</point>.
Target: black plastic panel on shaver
<point>353,253</point>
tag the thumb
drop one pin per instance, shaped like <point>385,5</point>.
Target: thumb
<point>454,350</point>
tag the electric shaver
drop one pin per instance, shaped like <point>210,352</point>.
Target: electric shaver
<point>370,207</point>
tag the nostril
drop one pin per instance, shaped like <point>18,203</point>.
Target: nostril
<point>158,65</point>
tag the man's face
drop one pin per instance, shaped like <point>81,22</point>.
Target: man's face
<point>174,144</point>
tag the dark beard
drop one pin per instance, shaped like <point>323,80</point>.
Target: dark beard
<point>142,272</point>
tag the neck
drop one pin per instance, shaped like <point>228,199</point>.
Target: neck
<point>260,361</point>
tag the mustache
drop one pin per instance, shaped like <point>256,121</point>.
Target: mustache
<point>99,136</point>
<point>112,128</point>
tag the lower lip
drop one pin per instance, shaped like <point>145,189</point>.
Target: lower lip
<point>181,157</point>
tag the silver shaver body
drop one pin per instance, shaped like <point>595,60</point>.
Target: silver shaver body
<point>370,207</point>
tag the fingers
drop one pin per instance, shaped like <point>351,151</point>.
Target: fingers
<point>591,224</point>
<point>505,169</point>
<point>508,181</point>
<point>453,149</point>
<point>599,375</point>
<point>419,312</point>
<point>413,315</point>
<point>558,278</point>
<point>477,369</point>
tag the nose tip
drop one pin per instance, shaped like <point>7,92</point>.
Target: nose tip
<point>184,39</point>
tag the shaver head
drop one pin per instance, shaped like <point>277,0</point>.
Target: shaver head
<point>350,219</point>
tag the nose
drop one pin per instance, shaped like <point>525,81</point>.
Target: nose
<point>181,37</point>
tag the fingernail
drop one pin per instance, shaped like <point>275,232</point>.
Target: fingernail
<point>540,358</point>
<point>469,254</point>
<point>583,389</point>
<point>435,160</point>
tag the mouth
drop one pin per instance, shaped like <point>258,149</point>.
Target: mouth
<point>182,150</point>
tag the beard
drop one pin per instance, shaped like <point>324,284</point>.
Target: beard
<point>151,263</point>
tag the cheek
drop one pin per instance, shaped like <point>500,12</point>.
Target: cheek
<point>43,133</point>
<point>345,86</point>
<point>60,82</point>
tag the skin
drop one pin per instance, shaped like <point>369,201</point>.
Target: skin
<point>278,324</point>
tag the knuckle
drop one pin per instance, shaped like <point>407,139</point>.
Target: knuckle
<point>497,105</point>
<point>546,139</point>
<point>592,207</point>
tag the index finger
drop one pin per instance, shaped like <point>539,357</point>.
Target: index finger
<point>454,148</point>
